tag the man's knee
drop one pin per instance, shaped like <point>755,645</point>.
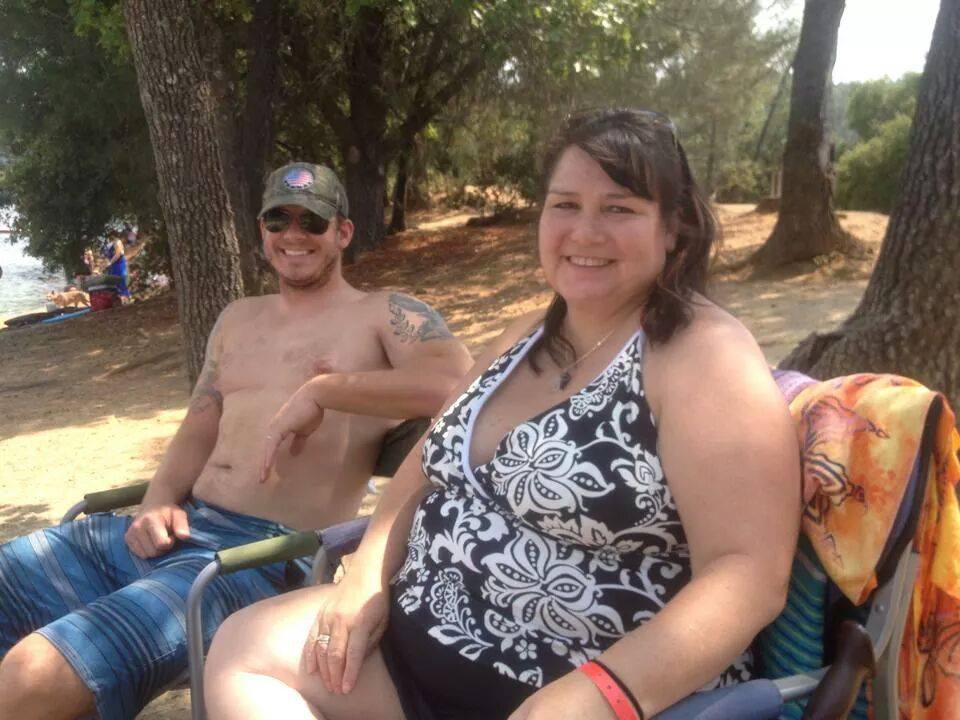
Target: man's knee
<point>36,681</point>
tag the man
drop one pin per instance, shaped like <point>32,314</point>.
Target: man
<point>105,595</point>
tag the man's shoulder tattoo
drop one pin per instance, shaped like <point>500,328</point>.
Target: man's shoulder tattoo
<point>206,392</point>
<point>414,321</point>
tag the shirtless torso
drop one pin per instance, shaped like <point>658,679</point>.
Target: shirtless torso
<point>367,359</point>
<point>264,357</point>
<point>355,362</point>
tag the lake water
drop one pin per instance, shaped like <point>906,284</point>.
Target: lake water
<point>24,283</point>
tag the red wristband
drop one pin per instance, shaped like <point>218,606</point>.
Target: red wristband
<point>612,692</point>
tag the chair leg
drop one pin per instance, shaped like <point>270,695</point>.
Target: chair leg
<point>195,637</point>
<point>886,693</point>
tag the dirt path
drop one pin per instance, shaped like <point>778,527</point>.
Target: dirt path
<point>92,402</point>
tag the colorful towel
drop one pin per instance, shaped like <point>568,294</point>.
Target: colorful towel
<point>860,436</point>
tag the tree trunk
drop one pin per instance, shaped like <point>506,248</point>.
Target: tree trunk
<point>711,157</point>
<point>807,226</point>
<point>246,131</point>
<point>781,88</point>
<point>398,215</point>
<point>907,322</point>
<point>418,196</point>
<point>178,102</point>
<point>366,184</point>
<point>256,136</point>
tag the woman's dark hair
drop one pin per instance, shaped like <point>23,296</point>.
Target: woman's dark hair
<point>639,150</point>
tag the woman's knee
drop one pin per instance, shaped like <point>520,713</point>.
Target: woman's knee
<point>267,636</point>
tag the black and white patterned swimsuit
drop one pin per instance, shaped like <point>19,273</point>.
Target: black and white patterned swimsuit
<point>540,559</point>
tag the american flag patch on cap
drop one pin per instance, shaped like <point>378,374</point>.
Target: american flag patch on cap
<point>298,179</point>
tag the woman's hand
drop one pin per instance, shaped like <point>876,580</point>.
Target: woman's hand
<point>347,628</point>
<point>572,697</point>
<point>300,416</point>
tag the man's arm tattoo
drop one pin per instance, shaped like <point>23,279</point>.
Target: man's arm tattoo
<point>430,327</point>
<point>206,392</point>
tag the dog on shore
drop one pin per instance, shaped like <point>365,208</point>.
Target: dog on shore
<point>69,298</point>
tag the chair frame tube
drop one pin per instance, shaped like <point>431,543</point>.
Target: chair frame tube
<point>195,636</point>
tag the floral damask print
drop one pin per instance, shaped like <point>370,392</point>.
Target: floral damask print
<point>539,560</point>
<point>608,548</point>
<point>469,525</point>
<point>416,544</point>
<point>533,676</point>
<point>450,604</point>
<point>539,469</point>
<point>596,395</point>
<point>549,592</point>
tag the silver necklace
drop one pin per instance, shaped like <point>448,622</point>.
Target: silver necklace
<point>565,375</point>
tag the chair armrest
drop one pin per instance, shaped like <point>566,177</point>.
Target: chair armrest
<point>336,541</point>
<point>106,500</point>
<point>397,443</point>
<point>754,700</point>
<point>264,552</point>
<point>343,539</point>
<point>855,662</point>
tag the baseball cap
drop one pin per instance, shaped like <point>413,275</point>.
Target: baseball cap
<point>314,187</point>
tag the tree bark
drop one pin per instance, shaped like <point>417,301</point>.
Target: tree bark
<point>366,184</point>
<point>907,321</point>
<point>781,88</point>
<point>179,104</point>
<point>380,122</point>
<point>256,136</point>
<point>398,214</point>
<point>246,130</point>
<point>807,226</point>
<point>711,157</point>
<point>418,196</point>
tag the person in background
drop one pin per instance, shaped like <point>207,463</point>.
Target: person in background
<point>129,234</point>
<point>117,262</point>
<point>88,262</point>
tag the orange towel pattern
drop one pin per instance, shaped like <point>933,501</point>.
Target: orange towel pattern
<point>859,438</point>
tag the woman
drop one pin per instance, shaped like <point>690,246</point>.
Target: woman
<point>617,482</point>
<point>117,262</point>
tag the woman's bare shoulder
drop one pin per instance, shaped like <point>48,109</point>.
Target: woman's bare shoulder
<point>715,348</point>
<point>711,330</point>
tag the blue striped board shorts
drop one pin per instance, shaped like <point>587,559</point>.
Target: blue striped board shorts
<point>119,620</point>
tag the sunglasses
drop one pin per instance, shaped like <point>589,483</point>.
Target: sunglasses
<point>278,220</point>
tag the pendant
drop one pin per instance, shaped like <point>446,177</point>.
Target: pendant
<point>562,381</point>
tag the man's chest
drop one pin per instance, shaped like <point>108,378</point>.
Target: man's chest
<point>279,357</point>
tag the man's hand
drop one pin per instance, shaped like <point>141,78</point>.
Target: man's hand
<point>155,529</point>
<point>299,417</point>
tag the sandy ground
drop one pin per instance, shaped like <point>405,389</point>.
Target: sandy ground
<point>91,403</point>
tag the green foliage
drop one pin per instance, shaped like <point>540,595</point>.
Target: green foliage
<point>741,181</point>
<point>481,83</point>
<point>704,63</point>
<point>868,175</point>
<point>103,21</point>
<point>720,81</point>
<point>72,129</point>
<point>874,103</point>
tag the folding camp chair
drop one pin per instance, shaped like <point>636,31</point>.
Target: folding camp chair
<point>861,652</point>
<point>829,691</point>
<point>327,547</point>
